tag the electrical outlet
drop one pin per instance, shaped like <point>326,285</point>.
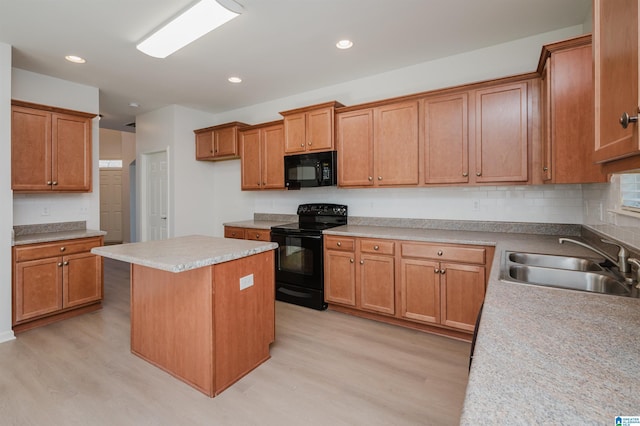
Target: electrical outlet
<point>84,210</point>
<point>246,281</point>
<point>45,211</point>
<point>476,205</point>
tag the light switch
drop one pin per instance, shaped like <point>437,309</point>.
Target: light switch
<point>246,281</point>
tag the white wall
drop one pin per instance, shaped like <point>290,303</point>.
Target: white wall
<point>42,89</point>
<point>215,187</point>
<point>6,211</point>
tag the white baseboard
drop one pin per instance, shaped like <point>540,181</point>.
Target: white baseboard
<point>7,336</point>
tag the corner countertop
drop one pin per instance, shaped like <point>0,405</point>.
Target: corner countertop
<point>542,355</point>
<point>256,224</point>
<point>184,253</point>
<point>45,237</point>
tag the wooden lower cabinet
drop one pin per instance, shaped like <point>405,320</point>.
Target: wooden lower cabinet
<point>247,233</point>
<point>54,281</point>
<point>432,287</point>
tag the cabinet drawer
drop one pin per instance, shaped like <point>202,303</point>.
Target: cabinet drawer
<point>339,243</point>
<point>377,246</point>
<point>258,234</point>
<point>58,248</point>
<point>233,232</point>
<point>444,252</point>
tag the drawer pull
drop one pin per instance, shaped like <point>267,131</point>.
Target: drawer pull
<point>63,248</point>
<point>339,244</point>
<point>376,247</point>
<point>440,253</point>
<point>257,235</point>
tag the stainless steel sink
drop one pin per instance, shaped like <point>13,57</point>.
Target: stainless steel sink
<point>558,262</point>
<point>574,273</point>
<point>563,278</point>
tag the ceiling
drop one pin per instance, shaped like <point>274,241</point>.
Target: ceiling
<point>278,47</point>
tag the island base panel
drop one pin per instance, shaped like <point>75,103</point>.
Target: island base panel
<point>171,322</point>
<point>199,325</point>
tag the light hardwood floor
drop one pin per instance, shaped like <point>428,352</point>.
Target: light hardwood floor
<point>326,368</point>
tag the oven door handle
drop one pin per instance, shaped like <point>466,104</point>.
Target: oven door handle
<point>296,234</point>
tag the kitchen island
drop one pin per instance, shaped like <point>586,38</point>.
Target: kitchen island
<point>202,308</point>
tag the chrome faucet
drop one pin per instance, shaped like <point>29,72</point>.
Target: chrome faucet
<point>623,254</point>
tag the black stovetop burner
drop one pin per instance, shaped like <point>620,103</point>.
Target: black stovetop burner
<point>315,218</point>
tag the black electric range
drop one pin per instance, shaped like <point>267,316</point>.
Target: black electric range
<point>299,258</point>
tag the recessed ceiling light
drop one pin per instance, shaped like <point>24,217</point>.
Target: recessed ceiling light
<point>75,59</point>
<point>134,104</point>
<point>344,44</point>
<point>235,80</point>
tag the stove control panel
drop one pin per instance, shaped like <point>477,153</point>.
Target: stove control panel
<point>322,210</point>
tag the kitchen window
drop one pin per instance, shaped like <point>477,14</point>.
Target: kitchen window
<point>110,164</point>
<point>630,192</point>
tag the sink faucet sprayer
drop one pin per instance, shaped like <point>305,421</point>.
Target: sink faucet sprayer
<point>623,254</point>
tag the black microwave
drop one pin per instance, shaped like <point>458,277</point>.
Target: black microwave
<point>310,170</point>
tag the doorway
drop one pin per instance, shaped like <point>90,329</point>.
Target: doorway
<point>111,205</point>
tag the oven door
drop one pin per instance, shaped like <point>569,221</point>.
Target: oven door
<point>299,259</point>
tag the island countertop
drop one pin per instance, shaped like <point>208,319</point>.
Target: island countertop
<point>184,253</point>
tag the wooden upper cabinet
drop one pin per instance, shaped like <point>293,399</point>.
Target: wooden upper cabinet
<point>218,142</point>
<point>262,156</point>
<point>396,144</point>
<point>310,128</point>
<point>615,50</point>
<point>445,136</point>
<point>50,149</point>
<point>501,129</point>
<point>354,142</point>
<point>378,146</point>
<point>567,87</point>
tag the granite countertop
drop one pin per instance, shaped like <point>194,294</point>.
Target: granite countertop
<point>256,224</point>
<point>31,234</point>
<point>542,355</point>
<point>184,253</point>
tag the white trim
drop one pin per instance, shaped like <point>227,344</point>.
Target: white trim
<point>7,336</point>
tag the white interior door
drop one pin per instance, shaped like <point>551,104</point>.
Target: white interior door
<point>111,205</point>
<point>156,196</point>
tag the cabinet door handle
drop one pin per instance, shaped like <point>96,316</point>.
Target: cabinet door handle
<point>59,264</point>
<point>362,262</point>
<point>465,174</point>
<point>63,248</point>
<point>437,271</point>
<point>376,247</point>
<point>379,177</point>
<point>339,244</point>
<point>440,253</point>
<point>625,119</point>
<point>351,260</point>
<point>66,263</point>
<point>302,145</point>
<point>545,169</point>
<point>442,271</point>
<point>49,182</point>
<point>370,178</point>
<point>54,183</point>
<point>478,173</point>
<point>309,143</point>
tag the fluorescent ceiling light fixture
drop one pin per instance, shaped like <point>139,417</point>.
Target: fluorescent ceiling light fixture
<point>235,80</point>
<point>75,59</point>
<point>344,44</point>
<point>198,20</point>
